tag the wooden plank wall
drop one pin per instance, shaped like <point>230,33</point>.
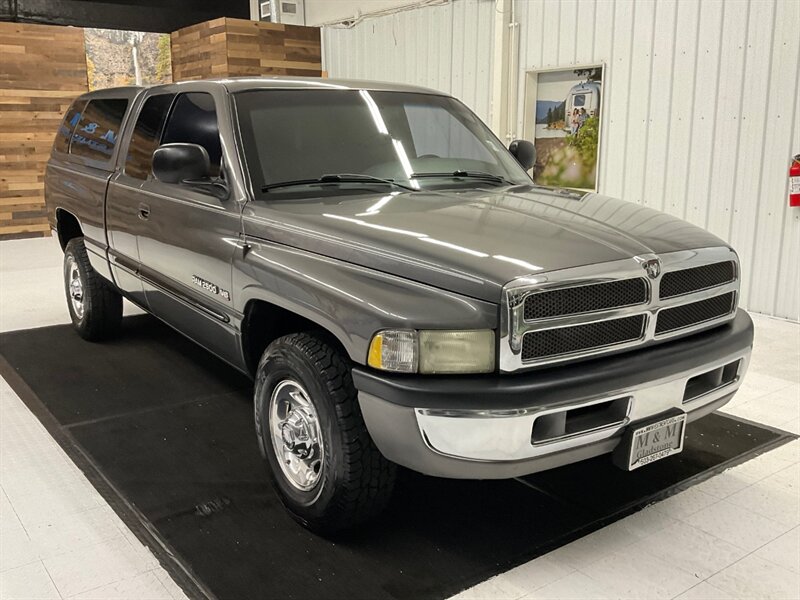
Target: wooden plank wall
<point>257,48</point>
<point>42,68</point>
<point>199,51</point>
<point>235,47</point>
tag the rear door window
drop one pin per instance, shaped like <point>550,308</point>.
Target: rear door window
<point>146,136</point>
<point>95,135</point>
<point>67,126</point>
<point>193,120</point>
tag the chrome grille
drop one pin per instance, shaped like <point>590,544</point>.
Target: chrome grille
<point>569,340</point>
<point>585,298</point>
<point>687,315</point>
<point>687,281</point>
<point>587,311</point>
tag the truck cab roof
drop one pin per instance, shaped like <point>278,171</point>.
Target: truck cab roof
<point>240,84</point>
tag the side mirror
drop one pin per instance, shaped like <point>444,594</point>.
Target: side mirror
<point>175,163</point>
<point>524,152</point>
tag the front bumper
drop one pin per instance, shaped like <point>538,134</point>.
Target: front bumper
<point>501,426</point>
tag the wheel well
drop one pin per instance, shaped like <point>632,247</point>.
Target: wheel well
<point>67,226</point>
<point>265,322</point>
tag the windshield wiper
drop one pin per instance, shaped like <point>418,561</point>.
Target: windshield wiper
<point>461,173</point>
<point>338,178</point>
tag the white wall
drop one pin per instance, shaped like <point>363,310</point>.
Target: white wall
<point>325,11</point>
<point>446,47</point>
<point>701,110</point>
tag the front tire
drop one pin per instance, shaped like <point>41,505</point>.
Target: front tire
<point>323,464</point>
<point>95,307</point>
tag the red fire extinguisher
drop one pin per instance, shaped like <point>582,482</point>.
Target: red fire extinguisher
<point>794,182</point>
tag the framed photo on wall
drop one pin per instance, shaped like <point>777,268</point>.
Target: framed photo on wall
<point>116,57</point>
<point>563,120</point>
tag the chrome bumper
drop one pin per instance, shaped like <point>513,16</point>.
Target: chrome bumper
<point>492,436</point>
<point>496,444</point>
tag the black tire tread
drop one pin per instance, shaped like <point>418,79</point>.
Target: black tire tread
<point>103,304</point>
<point>369,480</point>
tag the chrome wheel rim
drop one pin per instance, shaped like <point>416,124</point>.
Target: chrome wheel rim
<point>296,435</point>
<point>75,287</point>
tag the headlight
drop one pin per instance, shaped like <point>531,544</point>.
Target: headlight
<point>433,351</point>
<point>456,351</point>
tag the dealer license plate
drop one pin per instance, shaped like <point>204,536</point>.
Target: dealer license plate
<point>654,441</point>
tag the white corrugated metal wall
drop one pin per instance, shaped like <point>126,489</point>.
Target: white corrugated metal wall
<point>701,110</point>
<point>701,115</point>
<point>447,48</point>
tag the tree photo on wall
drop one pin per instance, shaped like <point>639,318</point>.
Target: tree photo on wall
<point>117,57</point>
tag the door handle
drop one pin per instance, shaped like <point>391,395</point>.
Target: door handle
<point>144,211</point>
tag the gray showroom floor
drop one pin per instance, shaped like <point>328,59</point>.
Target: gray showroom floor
<point>736,535</point>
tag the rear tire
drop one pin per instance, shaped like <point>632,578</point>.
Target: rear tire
<point>324,466</point>
<point>95,307</point>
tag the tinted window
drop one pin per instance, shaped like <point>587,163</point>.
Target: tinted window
<point>68,124</point>
<point>299,134</point>
<point>147,135</point>
<point>193,120</point>
<point>579,100</point>
<point>437,132</point>
<point>96,133</point>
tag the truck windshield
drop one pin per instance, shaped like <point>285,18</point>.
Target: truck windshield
<point>305,141</point>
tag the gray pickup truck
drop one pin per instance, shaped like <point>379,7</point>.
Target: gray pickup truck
<point>397,286</point>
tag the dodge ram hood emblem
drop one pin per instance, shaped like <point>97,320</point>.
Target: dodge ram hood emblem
<point>653,268</point>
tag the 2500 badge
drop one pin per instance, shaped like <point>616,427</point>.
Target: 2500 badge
<point>211,287</point>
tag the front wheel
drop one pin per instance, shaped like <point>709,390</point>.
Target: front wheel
<point>323,463</point>
<point>94,306</point>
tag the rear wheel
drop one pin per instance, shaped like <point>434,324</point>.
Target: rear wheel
<point>95,307</point>
<point>324,466</point>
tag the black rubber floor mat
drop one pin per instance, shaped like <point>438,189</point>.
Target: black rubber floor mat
<point>165,432</point>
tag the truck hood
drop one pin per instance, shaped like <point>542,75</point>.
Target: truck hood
<point>472,242</point>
